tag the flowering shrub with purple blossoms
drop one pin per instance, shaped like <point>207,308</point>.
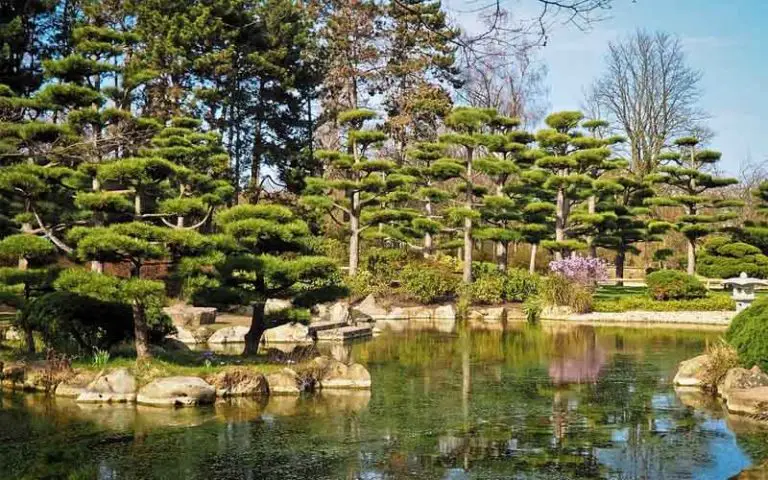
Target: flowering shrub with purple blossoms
<point>582,270</point>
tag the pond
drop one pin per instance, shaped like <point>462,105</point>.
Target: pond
<point>550,402</point>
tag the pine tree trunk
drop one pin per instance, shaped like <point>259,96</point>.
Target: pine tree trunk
<point>592,249</point>
<point>467,274</point>
<point>428,240</point>
<point>691,257</point>
<point>29,340</point>
<point>502,255</point>
<point>354,242</point>
<point>258,326</point>
<point>532,263</point>
<point>620,260</point>
<point>560,221</point>
<point>141,331</point>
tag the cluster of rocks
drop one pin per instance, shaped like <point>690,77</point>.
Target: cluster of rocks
<point>744,391</point>
<point>116,386</point>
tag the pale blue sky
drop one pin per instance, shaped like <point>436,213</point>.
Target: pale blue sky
<point>725,39</point>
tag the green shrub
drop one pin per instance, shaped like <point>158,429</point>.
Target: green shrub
<point>385,264</point>
<point>487,289</point>
<point>519,284</point>
<point>428,283</point>
<point>558,291</point>
<point>722,258</point>
<point>710,303</point>
<point>674,285</point>
<point>532,308</point>
<point>363,284</point>
<point>747,334</point>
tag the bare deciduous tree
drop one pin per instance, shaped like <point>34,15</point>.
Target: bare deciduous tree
<point>649,93</point>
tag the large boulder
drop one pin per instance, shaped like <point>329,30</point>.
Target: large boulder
<point>339,313</point>
<point>288,333</point>
<point>494,318</point>
<point>445,313</point>
<point>234,334</point>
<point>75,385</point>
<point>740,379</point>
<point>239,382</point>
<point>13,334</point>
<point>189,316</point>
<point>691,373</point>
<point>116,386</point>
<point>286,381</point>
<point>333,374</point>
<point>751,401</point>
<point>33,376</point>
<point>192,335</point>
<point>371,308</point>
<point>176,392</point>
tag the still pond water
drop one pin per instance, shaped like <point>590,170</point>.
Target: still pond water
<point>532,403</point>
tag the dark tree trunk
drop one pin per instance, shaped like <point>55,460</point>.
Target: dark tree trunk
<point>258,325</point>
<point>29,339</point>
<point>141,331</point>
<point>620,259</point>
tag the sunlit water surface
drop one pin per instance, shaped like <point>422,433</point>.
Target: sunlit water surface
<point>528,403</point>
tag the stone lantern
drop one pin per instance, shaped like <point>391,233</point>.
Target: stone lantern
<point>743,289</point>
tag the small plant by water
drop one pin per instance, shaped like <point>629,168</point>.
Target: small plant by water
<point>100,358</point>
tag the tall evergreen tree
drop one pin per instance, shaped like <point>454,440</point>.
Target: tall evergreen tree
<point>691,186</point>
<point>355,183</point>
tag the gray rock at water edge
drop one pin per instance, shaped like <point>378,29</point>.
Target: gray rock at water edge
<point>445,313</point>
<point>488,315</point>
<point>189,316</point>
<point>192,335</point>
<point>741,379</point>
<point>116,386</point>
<point>371,308</point>
<point>176,392</point>
<point>284,382</point>
<point>239,383</point>
<point>750,401</point>
<point>333,374</point>
<point>339,313</point>
<point>229,335</point>
<point>288,333</point>
<point>690,373</point>
<point>74,386</point>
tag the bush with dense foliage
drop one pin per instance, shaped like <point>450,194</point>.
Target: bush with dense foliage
<point>723,258</point>
<point>428,283</point>
<point>487,289</point>
<point>674,285</point>
<point>711,303</point>
<point>747,334</point>
<point>79,324</point>
<point>520,284</point>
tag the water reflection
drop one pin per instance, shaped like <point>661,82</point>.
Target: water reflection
<point>521,403</point>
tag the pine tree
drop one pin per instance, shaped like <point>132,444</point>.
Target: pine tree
<point>507,156</point>
<point>419,71</point>
<point>574,162</point>
<point>690,186</point>
<point>267,252</point>
<point>355,184</point>
<point>32,277</point>
<point>467,125</point>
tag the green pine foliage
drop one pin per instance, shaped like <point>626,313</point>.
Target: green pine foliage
<point>686,173</point>
<point>723,258</point>
<point>747,334</point>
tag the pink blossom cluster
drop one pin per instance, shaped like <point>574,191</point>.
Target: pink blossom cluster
<point>583,270</point>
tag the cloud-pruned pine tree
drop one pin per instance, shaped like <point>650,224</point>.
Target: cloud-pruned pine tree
<point>688,182</point>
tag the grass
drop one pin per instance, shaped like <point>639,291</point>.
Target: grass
<point>713,302</point>
<point>612,292</point>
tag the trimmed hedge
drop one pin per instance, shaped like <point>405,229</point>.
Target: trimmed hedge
<point>711,303</point>
<point>674,285</point>
<point>747,334</point>
<point>722,258</point>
